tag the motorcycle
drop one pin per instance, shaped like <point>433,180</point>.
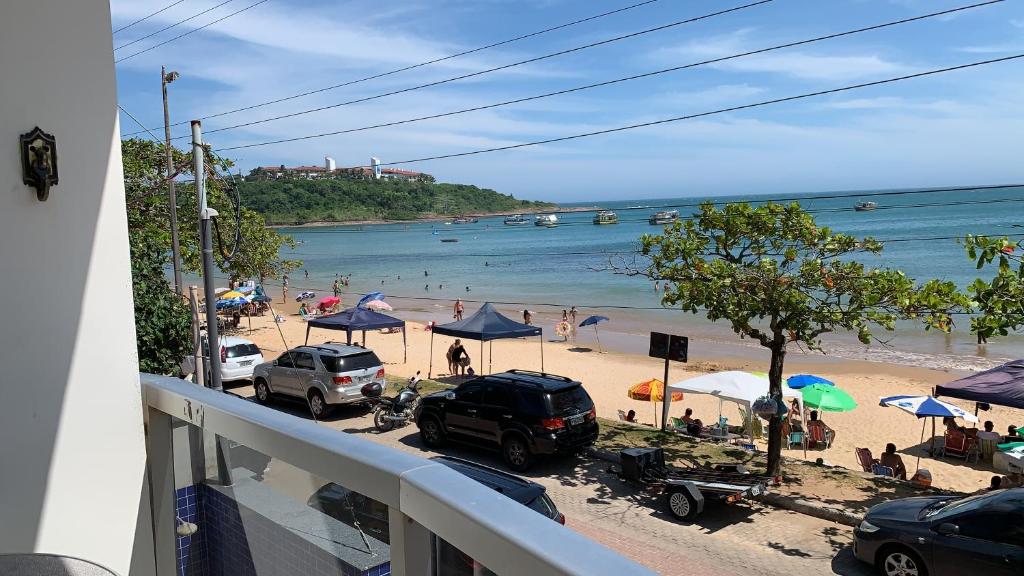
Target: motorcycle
<point>397,411</point>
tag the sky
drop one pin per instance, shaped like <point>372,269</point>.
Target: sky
<point>960,128</point>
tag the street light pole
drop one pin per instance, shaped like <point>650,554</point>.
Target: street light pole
<point>172,200</point>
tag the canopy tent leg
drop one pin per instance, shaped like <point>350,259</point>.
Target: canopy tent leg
<point>481,354</point>
<point>923,422</point>
<point>348,335</point>
<point>542,352</point>
<point>364,338</point>
<point>430,364</point>
<point>307,330</point>
<point>405,348</point>
<point>490,357</point>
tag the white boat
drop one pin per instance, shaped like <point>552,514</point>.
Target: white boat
<point>516,220</point>
<point>663,217</point>
<point>546,220</point>
<point>606,217</point>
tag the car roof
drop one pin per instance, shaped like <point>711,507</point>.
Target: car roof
<point>519,489</point>
<point>234,341</point>
<point>538,380</point>
<point>334,349</point>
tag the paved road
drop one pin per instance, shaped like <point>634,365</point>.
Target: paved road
<point>741,540</point>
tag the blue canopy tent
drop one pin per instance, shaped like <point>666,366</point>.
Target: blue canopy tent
<point>486,325</point>
<point>356,319</point>
<point>1002,385</point>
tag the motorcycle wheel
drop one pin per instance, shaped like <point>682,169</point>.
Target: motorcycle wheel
<point>381,423</point>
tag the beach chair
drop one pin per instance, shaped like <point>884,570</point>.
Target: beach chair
<point>796,439</point>
<point>622,415</point>
<point>879,470</point>
<point>988,448</point>
<point>678,424</point>
<point>817,434</point>
<point>865,459</point>
<point>959,445</point>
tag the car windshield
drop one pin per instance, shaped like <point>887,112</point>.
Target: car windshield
<point>946,508</point>
<point>360,361</point>
<point>240,350</point>
<point>572,400</point>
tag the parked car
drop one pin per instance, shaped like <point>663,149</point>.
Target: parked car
<point>325,375</point>
<point>238,358</point>
<point>351,507</point>
<point>524,413</point>
<point>945,535</point>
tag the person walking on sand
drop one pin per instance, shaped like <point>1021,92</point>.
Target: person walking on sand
<point>337,288</point>
<point>527,317</point>
<point>459,308</point>
<point>284,288</point>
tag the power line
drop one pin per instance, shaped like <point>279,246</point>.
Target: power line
<point>688,116</point>
<point>421,64</point>
<point>619,80</point>
<point>144,18</point>
<point>494,69</point>
<point>141,125</point>
<point>204,26</point>
<point>174,25</point>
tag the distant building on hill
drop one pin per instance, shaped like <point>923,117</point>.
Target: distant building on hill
<point>330,171</point>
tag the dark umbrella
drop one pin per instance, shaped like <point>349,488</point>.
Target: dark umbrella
<point>594,321</point>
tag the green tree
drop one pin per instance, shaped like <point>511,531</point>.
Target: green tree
<point>158,310</point>
<point>999,302</point>
<point>779,278</point>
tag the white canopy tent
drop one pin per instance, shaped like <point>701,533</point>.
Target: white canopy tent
<point>743,388</point>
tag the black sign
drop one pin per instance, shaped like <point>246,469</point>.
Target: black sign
<point>669,346</point>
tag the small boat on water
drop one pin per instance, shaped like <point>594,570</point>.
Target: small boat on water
<point>515,220</point>
<point>865,206</point>
<point>663,217</point>
<point>546,220</point>
<point>449,239</point>
<point>606,217</point>
<point>465,220</point>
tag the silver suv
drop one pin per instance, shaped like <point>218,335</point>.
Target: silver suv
<point>324,375</point>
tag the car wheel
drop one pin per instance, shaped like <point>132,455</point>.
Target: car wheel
<point>431,432</point>
<point>262,391</point>
<point>317,404</point>
<point>517,453</point>
<point>900,561</point>
<point>681,505</point>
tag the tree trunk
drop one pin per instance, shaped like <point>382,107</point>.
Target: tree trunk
<point>775,424</point>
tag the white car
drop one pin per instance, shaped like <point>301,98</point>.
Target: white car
<point>238,357</point>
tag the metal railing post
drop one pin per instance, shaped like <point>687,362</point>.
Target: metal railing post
<point>160,467</point>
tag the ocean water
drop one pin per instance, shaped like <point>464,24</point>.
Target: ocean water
<point>548,269</point>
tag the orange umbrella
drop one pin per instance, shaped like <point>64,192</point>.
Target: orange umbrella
<point>652,391</point>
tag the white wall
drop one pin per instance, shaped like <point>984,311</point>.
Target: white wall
<point>72,452</point>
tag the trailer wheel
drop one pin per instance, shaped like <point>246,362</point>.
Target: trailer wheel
<point>681,505</point>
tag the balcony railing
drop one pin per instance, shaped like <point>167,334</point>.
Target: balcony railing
<point>373,510</point>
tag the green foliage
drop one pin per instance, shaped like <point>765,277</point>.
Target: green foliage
<point>349,199</point>
<point>999,302</point>
<point>778,277</point>
<point>163,322</point>
<point>159,313</point>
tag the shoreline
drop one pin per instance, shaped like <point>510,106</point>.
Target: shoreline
<point>427,219</point>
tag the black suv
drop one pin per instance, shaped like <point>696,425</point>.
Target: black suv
<point>525,413</point>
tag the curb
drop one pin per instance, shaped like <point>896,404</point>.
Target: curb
<point>798,505</point>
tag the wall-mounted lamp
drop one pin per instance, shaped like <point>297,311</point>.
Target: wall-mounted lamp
<point>39,161</point>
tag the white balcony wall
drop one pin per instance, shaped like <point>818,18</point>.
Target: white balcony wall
<point>72,455</point>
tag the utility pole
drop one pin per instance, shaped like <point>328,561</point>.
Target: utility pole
<point>172,200</point>
<point>206,244</point>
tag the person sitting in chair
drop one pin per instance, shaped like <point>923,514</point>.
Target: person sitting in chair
<point>814,421</point>
<point>987,433</point>
<point>891,459</point>
<point>631,416</point>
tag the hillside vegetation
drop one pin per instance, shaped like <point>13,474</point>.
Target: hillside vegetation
<point>342,200</point>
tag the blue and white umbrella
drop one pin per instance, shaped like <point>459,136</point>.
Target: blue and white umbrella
<point>369,298</point>
<point>800,380</point>
<point>927,407</point>
<point>594,321</point>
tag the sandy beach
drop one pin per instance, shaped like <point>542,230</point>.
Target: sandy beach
<point>608,375</point>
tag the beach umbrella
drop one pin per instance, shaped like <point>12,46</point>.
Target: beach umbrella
<point>653,391</point>
<point>827,398</point>
<point>245,289</point>
<point>594,321</point>
<point>262,298</point>
<point>231,303</point>
<point>379,305</point>
<point>801,380</point>
<point>369,298</point>
<point>329,301</point>
<point>927,407</point>
<point>231,294</point>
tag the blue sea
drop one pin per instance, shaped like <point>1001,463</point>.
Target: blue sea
<point>549,269</point>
